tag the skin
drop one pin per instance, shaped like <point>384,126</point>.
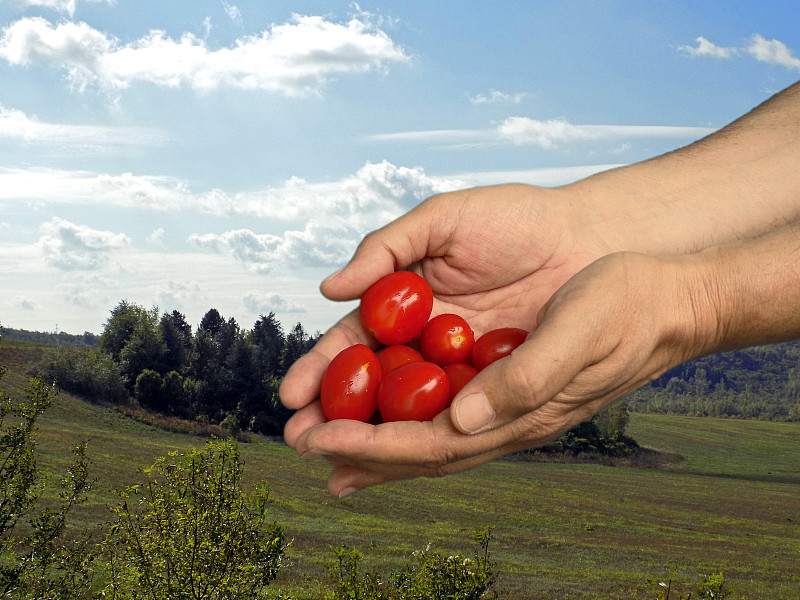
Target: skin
<point>618,277</point>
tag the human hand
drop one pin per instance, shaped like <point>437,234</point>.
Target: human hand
<point>611,328</point>
<point>493,255</point>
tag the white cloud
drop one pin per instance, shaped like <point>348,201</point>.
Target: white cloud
<point>174,295</point>
<point>333,216</point>
<point>773,52</point>
<point>498,96</point>
<point>706,48</point>
<point>157,237</point>
<point>16,125</point>
<point>25,303</point>
<point>552,132</point>
<point>233,12</point>
<point>546,134</point>
<point>260,303</point>
<point>39,185</point>
<point>295,59</point>
<point>68,246</point>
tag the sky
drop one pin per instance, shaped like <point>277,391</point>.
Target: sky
<point>229,154</point>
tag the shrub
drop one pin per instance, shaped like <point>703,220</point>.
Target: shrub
<point>190,531</point>
<point>39,562</point>
<point>431,576</point>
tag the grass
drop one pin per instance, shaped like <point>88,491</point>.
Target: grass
<point>566,531</point>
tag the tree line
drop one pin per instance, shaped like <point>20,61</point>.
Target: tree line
<point>217,372</point>
<point>762,382</point>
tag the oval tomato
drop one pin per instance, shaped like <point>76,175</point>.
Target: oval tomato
<point>459,375</point>
<point>416,391</point>
<point>496,344</point>
<point>350,384</point>
<point>447,339</point>
<point>396,307</point>
<point>392,357</point>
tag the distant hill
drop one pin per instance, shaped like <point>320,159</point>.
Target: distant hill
<point>86,340</point>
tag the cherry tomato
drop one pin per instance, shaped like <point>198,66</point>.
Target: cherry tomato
<point>350,384</point>
<point>392,357</point>
<point>459,375</point>
<point>496,344</point>
<point>416,391</point>
<point>396,307</point>
<point>447,339</point>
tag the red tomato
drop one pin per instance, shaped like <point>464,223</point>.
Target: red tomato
<point>496,344</point>
<point>447,339</point>
<point>459,375</point>
<point>416,391</point>
<point>392,357</point>
<point>350,384</point>
<point>396,307</point>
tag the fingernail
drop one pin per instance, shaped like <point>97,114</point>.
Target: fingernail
<point>346,492</point>
<point>473,413</point>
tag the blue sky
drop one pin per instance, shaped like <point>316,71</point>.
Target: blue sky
<point>230,153</point>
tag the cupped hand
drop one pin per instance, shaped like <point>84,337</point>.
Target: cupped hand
<point>493,255</point>
<point>616,325</point>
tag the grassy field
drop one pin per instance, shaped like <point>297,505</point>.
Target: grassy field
<point>561,531</point>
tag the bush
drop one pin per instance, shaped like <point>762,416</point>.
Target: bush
<point>38,563</point>
<point>191,532</point>
<point>431,576</point>
<point>90,373</point>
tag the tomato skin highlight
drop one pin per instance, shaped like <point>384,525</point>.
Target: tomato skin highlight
<point>396,307</point>
<point>416,391</point>
<point>496,344</point>
<point>350,385</point>
<point>459,375</point>
<point>447,339</point>
<point>392,357</point>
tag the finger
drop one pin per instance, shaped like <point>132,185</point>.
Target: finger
<point>301,384</point>
<point>534,373</point>
<point>403,447</point>
<point>388,249</point>
<point>300,423</point>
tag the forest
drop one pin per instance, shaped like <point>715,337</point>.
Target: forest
<point>216,373</point>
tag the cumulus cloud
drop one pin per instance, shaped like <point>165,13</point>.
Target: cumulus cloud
<point>295,59</point>
<point>498,96</point>
<point>18,126</point>
<point>334,216</point>
<point>260,303</point>
<point>174,295</point>
<point>706,48</point>
<point>774,52</point>
<point>70,247</point>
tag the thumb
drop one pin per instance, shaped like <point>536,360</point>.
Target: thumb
<point>394,246</point>
<point>534,373</point>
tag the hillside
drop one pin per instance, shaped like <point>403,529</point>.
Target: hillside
<point>561,530</point>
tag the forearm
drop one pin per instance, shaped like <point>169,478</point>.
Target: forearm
<point>746,292</point>
<point>738,182</point>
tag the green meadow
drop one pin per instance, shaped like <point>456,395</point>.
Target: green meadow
<point>726,498</point>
